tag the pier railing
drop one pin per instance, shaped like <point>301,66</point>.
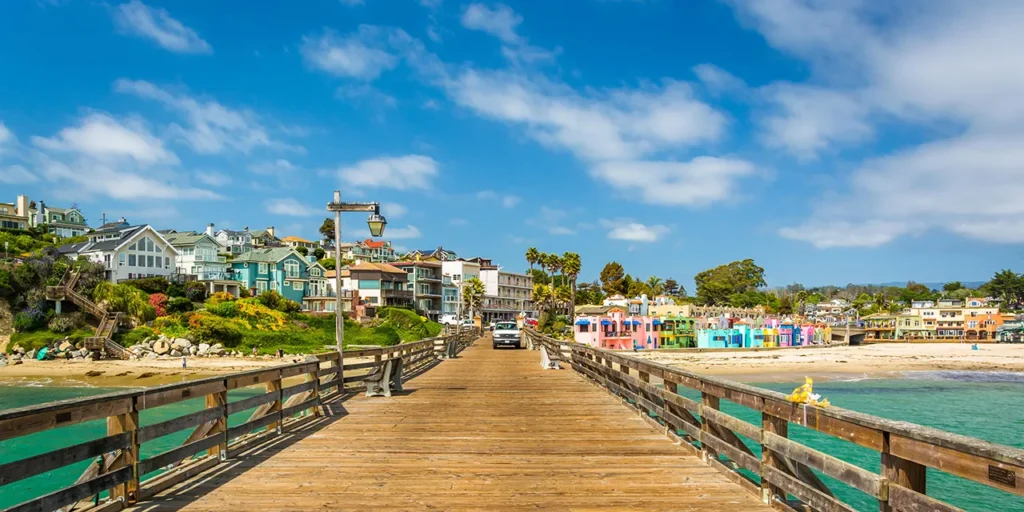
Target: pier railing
<point>292,396</point>
<point>784,467</point>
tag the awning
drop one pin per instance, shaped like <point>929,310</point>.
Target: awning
<point>635,322</point>
<point>656,322</point>
<point>583,321</point>
<point>606,322</point>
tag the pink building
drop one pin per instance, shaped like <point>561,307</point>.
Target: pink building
<point>618,331</point>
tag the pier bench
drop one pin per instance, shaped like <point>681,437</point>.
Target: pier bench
<point>384,378</point>
<point>550,359</point>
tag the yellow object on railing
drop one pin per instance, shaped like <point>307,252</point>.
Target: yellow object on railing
<point>805,395</point>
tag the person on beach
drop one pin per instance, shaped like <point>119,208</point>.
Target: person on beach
<point>184,363</point>
<point>254,351</point>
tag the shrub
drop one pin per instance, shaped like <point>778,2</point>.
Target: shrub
<point>179,305</point>
<point>159,303</point>
<point>136,336</point>
<point>31,319</point>
<point>150,284</point>
<point>288,306</point>
<point>175,290</point>
<point>171,326</point>
<point>40,339</point>
<point>65,323</point>
<point>124,298</point>
<point>195,291</point>
<point>270,299</point>
<point>222,309</point>
<point>243,293</point>
<point>258,316</point>
<point>213,329</point>
<point>219,297</point>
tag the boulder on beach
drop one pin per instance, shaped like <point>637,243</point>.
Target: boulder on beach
<point>161,347</point>
<point>16,357</point>
<point>175,352</point>
<point>17,349</point>
<point>181,344</point>
<point>31,354</point>
<point>204,348</point>
<point>65,346</point>
<point>193,350</point>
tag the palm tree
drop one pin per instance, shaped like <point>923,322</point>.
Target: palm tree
<point>571,265</point>
<point>554,263</point>
<point>801,299</point>
<point>541,294</point>
<point>473,294</point>
<point>532,257</point>
<point>656,284</point>
<point>562,296</point>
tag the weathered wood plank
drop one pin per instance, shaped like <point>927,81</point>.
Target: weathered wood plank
<point>20,422</point>
<point>845,472</point>
<point>49,461</point>
<point>253,401</point>
<point>255,377</point>
<point>813,418</point>
<point>816,499</point>
<point>745,460</point>
<point>298,388</point>
<point>972,467</point>
<point>75,493</point>
<point>733,423</point>
<point>178,454</point>
<point>151,432</point>
<point>165,395</point>
<point>902,499</point>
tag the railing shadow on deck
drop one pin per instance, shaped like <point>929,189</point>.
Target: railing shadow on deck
<point>314,396</point>
<point>785,467</point>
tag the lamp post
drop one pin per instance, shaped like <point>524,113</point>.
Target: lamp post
<point>376,223</point>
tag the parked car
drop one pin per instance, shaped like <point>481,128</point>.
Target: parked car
<point>506,334</point>
<point>490,326</point>
<point>448,320</point>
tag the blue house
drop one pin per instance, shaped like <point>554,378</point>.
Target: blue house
<point>281,269</point>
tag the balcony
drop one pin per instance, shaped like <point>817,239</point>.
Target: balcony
<point>211,259</point>
<point>396,294</point>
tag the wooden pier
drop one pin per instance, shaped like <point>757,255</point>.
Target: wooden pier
<point>488,430</point>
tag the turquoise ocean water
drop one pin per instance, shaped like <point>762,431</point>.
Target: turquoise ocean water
<point>988,406</point>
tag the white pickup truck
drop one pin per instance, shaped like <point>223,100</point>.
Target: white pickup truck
<point>506,334</point>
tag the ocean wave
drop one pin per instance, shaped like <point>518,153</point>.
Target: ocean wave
<point>967,376</point>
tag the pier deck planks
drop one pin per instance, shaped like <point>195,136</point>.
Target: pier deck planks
<point>489,430</point>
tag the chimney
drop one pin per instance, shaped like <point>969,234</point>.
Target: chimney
<point>40,214</point>
<point>270,231</point>
<point>22,206</point>
<point>209,229</point>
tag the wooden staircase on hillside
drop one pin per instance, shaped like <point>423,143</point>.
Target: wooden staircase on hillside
<point>108,321</point>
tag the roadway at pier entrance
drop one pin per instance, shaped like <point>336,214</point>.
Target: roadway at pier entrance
<point>489,430</point>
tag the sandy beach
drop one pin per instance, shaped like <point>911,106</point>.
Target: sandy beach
<point>116,373</point>
<point>881,360</point>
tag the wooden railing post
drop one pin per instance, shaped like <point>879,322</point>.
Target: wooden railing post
<point>707,401</point>
<point>779,427</point>
<point>900,472</point>
<point>274,386</point>
<point>316,390</point>
<point>220,426</point>
<point>127,492</point>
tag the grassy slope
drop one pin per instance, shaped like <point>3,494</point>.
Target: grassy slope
<point>40,339</point>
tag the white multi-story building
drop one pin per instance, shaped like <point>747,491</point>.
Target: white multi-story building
<point>127,252</point>
<point>459,271</point>
<point>199,257</point>
<point>233,242</point>
<point>506,294</point>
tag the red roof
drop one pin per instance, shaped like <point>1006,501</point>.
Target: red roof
<point>373,244</point>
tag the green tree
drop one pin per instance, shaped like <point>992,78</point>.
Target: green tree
<point>589,293</point>
<point>572,265</point>
<point>126,299</point>
<point>612,279</point>
<point>801,300</point>
<point>715,286</point>
<point>302,250</point>
<point>674,289</point>
<point>473,295</point>
<point>327,229</point>
<point>637,288</point>
<point>329,263</point>
<point>785,305</point>
<point>656,285</point>
<point>540,277</point>
<point>319,253</point>
<point>553,263</point>
<point>532,257</point>
<point>1006,285</point>
<point>952,286</point>
<point>541,294</point>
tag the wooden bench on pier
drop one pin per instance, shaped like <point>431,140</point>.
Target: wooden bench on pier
<point>384,378</point>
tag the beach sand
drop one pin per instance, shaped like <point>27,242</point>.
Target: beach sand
<point>880,360</point>
<point>116,373</point>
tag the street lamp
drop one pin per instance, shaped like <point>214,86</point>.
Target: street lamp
<point>376,223</point>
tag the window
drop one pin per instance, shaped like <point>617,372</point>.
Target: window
<point>159,262</point>
<point>297,286</point>
<point>132,247</point>
<point>262,268</point>
<point>291,268</point>
<point>314,272</point>
<point>261,286</point>
<point>149,261</point>
<point>131,260</point>
<point>121,258</point>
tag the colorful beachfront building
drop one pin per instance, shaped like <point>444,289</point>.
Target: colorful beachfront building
<point>770,334</point>
<point>617,330</point>
<point>678,332</point>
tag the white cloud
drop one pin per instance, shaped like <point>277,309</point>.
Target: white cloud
<point>213,179</point>
<point>360,55</point>
<point>510,201</point>
<point>16,174</point>
<point>294,208</point>
<point>212,127</point>
<point>118,180</point>
<point>717,79</point>
<point>393,210</point>
<point>102,136</point>
<point>5,134</point>
<point>154,23</point>
<point>402,173</point>
<point>634,231</point>
<point>402,233</point>
<point>699,182</point>
<point>927,68</point>
<point>279,166</point>
<point>500,22</point>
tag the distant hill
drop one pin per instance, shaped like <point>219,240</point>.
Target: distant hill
<point>936,286</point>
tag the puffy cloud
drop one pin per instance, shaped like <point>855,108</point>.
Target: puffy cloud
<point>294,208</point>
<point>139,19</point>
<point>500,21</point>
<point>361,55</point>
<point>102,136</point>
<point>624,229</point>
<point>698,182</point>
<point>402,173</point>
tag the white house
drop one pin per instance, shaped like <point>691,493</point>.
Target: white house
<point>233,242</point>
<point>127,252</point>
<point>198,256</point>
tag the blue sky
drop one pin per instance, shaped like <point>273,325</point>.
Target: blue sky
<point>832,142</point>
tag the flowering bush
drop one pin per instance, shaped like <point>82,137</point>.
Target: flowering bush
<point>258,316</point>
<point>206,328</point>
<point>179,305</point>
<point>219,297</point>
<point>195,291</point>
<point>159,303</point>
<point>222,309</point>
<point>65,323</point>
<point>32,318</point>
<point>171,326</point>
